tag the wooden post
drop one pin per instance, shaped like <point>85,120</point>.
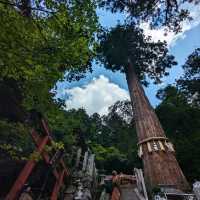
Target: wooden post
<point>91,164</point>
<point>160,167</point>
<point>78,157</point>
<point>85,161</point>
<point>58,184</point>
<point>22,178</point>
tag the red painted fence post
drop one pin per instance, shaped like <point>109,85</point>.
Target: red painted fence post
<point>25,173</point>
<point>57,186</point>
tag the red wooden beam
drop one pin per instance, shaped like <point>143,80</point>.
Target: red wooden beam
<point>46,128</point>
<point>40,143</point>
<point>67,173</point>
<point>25,173</point>
<point>57,186</point>
<point>37,139</point>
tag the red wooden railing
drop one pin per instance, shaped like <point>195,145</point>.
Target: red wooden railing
<point>60,174</point>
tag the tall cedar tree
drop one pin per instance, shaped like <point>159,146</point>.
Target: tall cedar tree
<point>125,48</point>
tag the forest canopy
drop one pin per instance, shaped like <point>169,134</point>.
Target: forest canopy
<point>43,42</point>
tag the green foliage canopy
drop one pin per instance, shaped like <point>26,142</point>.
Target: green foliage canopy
<point>181,123</point>
<point>126,43</point>
<point>37,50</point>
<point>189,84</point>
<point>39,42</point>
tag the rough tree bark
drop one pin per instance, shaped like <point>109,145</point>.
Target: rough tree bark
<point>157,153</point>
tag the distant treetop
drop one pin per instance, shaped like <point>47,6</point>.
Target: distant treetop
<point>128,42</point>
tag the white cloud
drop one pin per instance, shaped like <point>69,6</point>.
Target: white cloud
<point>96,96</point>
<point>171,38</point>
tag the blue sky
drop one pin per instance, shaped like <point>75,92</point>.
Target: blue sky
<point>100,89</point>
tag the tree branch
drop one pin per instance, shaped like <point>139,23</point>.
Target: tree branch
<point>32,8</point>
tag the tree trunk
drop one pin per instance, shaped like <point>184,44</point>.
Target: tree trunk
<point>160,165</point>
<point>25,8</point>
